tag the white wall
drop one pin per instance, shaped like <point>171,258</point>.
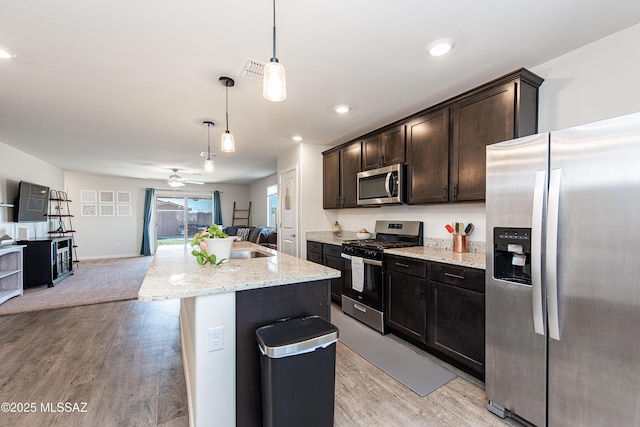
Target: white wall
<point>595,82</point>
<point>121,236</point>
<point>311,217</point>
<point>16,166</point>
<point>258,197</point>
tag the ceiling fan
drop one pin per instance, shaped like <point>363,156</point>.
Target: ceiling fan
<point>176,180</point>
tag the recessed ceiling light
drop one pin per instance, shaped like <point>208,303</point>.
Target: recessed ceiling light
<point>440,47</point>
<point>343,109</point>
<point>6,54</point>
<point>297,138</point>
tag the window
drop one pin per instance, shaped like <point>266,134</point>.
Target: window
<point>179,218</point>
<point>272,206</point>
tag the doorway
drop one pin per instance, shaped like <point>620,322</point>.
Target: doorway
<point>179,218</point>
<point>289,212</point>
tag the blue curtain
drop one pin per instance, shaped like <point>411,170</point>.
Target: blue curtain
<point>217,209</point>
<point>146,222</point>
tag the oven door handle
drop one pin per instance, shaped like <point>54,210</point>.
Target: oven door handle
<point>365,260</point>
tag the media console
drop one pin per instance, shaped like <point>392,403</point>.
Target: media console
<point>47,261</point>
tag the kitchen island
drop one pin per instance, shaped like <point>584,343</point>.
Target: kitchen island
<point>220,309</point>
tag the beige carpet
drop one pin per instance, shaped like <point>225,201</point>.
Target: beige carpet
<point>93,282</point>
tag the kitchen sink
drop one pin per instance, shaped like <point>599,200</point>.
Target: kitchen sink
<point>248,254</point>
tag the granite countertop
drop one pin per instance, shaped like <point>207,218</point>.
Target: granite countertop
<point>438,250</point>
<point>330,238</point>
<point>174,273</point>
<point>468,259</point>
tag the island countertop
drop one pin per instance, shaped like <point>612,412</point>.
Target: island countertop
<point>174,273</point>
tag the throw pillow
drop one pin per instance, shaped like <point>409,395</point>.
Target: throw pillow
<point>243,233</point>
<point>255,232</point>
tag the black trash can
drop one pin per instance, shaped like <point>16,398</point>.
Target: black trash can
<point>298,364</point>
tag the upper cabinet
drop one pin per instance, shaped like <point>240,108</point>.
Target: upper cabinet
<point>443,146</point>
<point>340,169</point>
<point>428,158</point>
<point>384,148</point>
<point>504,110</point>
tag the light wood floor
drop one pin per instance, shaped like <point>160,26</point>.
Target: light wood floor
<point>123,360</point>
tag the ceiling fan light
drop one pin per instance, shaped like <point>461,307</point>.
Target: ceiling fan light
<point>175,183</point>
<point>227,142</point>
<point>274,86</point>
<point>209,167</point>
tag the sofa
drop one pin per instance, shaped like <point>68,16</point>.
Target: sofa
<point>265,236</point>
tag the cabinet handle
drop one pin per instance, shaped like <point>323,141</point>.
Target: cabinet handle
<point>403,265</point>
<point>444,192</point>
<point>456,276</point>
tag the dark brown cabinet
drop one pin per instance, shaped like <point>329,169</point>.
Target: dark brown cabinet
<point>439,307</point>
<point>444,145</point>
<point>384,148</point>
<point>499,111</point>
<point>428,158</point>
<point>456,314</point>
<point>340,168</point>
<point>329,255</point>
<point>407,296</point>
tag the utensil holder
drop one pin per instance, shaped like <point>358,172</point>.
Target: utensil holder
<point>460,243</point>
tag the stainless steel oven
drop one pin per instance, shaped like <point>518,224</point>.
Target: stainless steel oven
<point>365,304</point>
<point>364,294</point>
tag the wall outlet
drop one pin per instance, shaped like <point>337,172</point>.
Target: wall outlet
<point>216,338</point>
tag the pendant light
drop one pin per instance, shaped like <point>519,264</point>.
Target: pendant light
<point>208,164</point>
<point>227,141</point>
<point>274,86</point>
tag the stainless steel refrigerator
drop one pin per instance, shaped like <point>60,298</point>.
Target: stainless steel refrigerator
<point>563,276</point>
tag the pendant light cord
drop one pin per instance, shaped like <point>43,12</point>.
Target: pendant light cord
<point>209,141</point>
<point>274,59</point>
<point>226,88</point>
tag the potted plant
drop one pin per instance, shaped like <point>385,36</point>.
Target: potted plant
<point>213,246</point>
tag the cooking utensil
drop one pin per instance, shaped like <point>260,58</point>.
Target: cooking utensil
<point>449,228</point>
<point>469,229</point>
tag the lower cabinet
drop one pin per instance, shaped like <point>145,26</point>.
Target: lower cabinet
<point>439,307</point>
<point>407,297</point>
<point>456,314</point>
<point>329,255</point>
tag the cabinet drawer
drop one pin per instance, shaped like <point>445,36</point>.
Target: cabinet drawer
<point>412,266</point>
<point>332,250</point>
<point>462,277</point>
<point>314,247</point>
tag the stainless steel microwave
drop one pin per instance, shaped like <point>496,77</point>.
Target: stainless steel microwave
<point>382,186</point>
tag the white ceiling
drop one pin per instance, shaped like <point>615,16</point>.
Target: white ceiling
<point>122,87</point>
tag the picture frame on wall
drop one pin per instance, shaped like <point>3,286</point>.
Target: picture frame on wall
<point>124,197</point>
<point>88,209</point>
<point>107,197</point>
<point>88,196</point>
<point>124,210</point>
<point>107,210</point>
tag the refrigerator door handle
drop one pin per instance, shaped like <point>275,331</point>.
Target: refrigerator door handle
<point>536,251</point>
<point>552,254</point>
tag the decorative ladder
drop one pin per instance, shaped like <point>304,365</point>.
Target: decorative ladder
<point>244,212</point>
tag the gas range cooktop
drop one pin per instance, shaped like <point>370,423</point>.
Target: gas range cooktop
<point>378,244</point>
<point>389,234</point>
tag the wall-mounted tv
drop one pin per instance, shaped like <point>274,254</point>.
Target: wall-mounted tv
<point>32,203</point>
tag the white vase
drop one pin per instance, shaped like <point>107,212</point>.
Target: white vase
<point>221,248</point>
